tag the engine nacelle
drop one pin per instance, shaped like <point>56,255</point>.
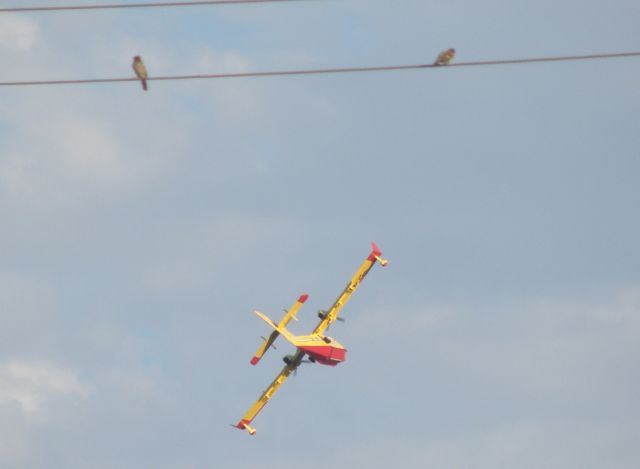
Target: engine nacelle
<point>322,314</point>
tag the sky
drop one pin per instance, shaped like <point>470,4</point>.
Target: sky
<point>141,230</point>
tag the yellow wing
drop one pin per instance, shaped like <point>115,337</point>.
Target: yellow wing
<point>291,314</point>
<point>293,363</point>
<point>328,317</point>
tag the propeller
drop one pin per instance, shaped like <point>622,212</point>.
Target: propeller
<point>323,314</point>
<point>288,359</point>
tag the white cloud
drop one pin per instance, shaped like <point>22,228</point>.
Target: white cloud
<point>30,397</point>
<point>65,161</point>
<point>623,311</point>
<point>32,384</point>
<point>17,32</point>
<point>70,156</point>
<point>78,148</point>
<point>562,358</point>
<point>128,383</point>
<point>14,439</point>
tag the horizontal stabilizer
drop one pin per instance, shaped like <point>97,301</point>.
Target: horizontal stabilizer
<point>281,330</point>
<point>289,314</point>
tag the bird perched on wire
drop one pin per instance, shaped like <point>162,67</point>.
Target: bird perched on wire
<point>445,57</point>
<point>141,71</point>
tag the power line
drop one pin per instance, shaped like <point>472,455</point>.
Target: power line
<point>321,71</point>
<point>113,6</point>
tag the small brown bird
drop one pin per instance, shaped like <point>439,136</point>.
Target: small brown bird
<point>141,71</point>
<point>445,57</point>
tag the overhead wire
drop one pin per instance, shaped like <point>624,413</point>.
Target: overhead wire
<point>114,6</point>
<point>321,71</point>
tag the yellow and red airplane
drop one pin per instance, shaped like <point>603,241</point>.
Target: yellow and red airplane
<point>318,347</point>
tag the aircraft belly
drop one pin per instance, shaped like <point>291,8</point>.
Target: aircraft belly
<point>326,354</point>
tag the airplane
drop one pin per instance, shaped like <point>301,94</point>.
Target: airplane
<point>315,347</point>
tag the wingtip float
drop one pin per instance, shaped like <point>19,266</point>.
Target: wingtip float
<point>316,347</point>
<point>375,255</point>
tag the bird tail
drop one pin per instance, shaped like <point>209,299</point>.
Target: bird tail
<point>144,85</point>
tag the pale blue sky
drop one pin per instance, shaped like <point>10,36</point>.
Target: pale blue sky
<point>140,231</point>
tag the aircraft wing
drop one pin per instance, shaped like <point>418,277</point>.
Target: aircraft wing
<point>328,317</point>
<point>245,422</point>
